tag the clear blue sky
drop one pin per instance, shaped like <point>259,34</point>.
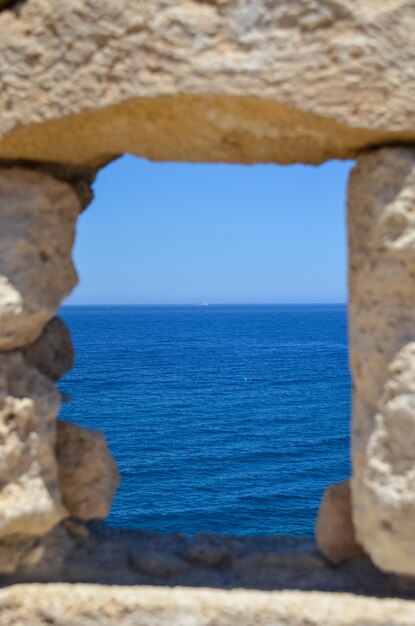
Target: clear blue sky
<point>178,233</point>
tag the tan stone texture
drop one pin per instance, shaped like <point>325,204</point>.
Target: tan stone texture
<point>88,474</point>
<point>52,354</point>
<point>204,80</point>
<point>334,528</point>
<point>239,80</point>
<point>83,605</point>
<point>382,344</point>
<point>30,501</point>
<point>37,224</point>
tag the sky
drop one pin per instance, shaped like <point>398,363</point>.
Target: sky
<point>181,233</point>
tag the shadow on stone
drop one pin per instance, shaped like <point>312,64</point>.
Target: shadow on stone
<point>96,553</point>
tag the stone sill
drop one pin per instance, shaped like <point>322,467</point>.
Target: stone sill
<point>94,553</point>
<point>85,605</point>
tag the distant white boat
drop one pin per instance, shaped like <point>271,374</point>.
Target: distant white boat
<point>204,304</point>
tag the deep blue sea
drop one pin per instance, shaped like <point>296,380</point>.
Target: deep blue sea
<point>229,419</point>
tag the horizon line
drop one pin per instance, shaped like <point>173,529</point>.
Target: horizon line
<point>204,304</point>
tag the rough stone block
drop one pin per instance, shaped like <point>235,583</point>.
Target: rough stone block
<point>381,206</point>
<point>334,529</point>
<point>30,502</point>
<point>52,354</point>
<point>37,224</point>
<point>86,605</point>
<point>87,471</point>
<point>240,81</point>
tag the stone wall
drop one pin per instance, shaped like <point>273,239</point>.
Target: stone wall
<point>209,80</point>
<point>90,604</point>
<point>213,80</point>
<point>382,346</point>
<point>49,470</point>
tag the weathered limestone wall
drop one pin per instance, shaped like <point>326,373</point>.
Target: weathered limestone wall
<point>212,80</point>
<point>83,605</point>
<point>219,80</point>
<point>381,207</point>
<point>48,470</point>
<point>38,217</point>
<point>30,502</point>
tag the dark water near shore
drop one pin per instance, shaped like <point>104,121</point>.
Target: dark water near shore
<point>230,419</point>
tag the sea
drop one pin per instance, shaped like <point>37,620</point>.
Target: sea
<point>225,419</point>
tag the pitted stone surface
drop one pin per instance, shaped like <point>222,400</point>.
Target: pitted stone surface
<point>241,80</point>
<point>52,354</point>
<point>382,346</point>
<point>30,501</point>
<point>37,223</point>
<point>88,474</point>
<point>83,605</point>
